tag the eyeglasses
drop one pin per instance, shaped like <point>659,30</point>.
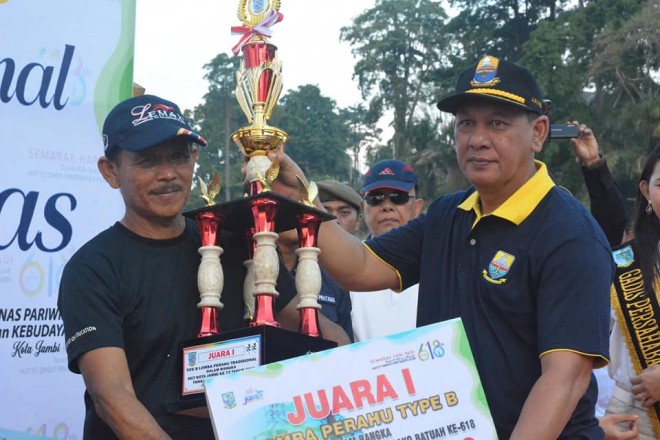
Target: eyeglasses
<point>396,197</point>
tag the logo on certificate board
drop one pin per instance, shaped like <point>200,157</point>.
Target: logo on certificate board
<point>252,395</point>
<point>229,400</point>
<point>192,358</point>
<point>430,350</point>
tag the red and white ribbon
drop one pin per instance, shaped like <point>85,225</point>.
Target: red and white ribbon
<point>263,29</point>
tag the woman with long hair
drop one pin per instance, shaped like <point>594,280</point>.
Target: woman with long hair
<point>647,220</point>
<point>635,339</point>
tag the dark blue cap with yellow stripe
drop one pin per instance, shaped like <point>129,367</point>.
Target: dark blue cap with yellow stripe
<point>496,80</point>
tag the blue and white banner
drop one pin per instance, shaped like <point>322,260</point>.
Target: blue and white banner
<point>63,66</point>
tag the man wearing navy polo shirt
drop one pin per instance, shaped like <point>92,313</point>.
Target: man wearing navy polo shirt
<point>518,259</point>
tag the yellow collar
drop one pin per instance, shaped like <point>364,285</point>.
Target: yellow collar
<point>521,203</point>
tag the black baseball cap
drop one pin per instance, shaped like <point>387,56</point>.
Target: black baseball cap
<point>496,80</point>
<point>144,121</point>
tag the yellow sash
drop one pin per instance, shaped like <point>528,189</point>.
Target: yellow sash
<point>636,315</point>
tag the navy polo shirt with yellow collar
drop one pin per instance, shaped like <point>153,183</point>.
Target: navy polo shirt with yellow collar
<point>530,278</point>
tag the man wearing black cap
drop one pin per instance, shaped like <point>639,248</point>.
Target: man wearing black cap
<point>129,295</point>
<point>518,259</point>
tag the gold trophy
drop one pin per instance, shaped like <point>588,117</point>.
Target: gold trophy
<point>259,216</point>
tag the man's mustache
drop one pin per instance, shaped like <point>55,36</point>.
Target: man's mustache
<point>167,189</point>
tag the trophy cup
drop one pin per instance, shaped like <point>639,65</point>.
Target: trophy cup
<point>259,216</point>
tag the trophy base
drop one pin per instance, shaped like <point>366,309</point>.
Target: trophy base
<point>233,351</point>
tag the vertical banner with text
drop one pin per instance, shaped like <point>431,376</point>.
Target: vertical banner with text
<point>63,66</point>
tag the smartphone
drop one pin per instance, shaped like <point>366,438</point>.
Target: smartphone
<point>563,131</point>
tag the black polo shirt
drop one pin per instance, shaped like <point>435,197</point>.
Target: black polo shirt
<point>530,278</point>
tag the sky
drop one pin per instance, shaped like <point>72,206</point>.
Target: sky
<point>172,44</point>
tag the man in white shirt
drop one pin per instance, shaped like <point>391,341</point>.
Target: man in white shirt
<point>390,200</point>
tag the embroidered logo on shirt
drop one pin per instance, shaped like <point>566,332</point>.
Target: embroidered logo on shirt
<point>498,267</point>
<point>624,257</point>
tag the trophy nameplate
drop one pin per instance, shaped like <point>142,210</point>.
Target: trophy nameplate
<point>227,352</point>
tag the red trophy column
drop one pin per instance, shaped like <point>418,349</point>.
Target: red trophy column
<point>308,274</point>
<point>266,264</point>
<point>210,278</point>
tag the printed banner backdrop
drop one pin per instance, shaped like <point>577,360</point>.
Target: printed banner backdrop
<point>63,66</point>
<point>420,384</point>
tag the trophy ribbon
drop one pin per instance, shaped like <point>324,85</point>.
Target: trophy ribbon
<point>262,29</point>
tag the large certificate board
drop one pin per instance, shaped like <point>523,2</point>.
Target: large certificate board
<point>418,384</point>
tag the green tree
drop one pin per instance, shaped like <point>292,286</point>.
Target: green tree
<point>626,101</point>
<point>364,135</point>
<point>216,119</point>
<point>318,133</point>
<point>435,159</point>
<point>499,28</point>
<point>398,44</point>
<point>597,63</point>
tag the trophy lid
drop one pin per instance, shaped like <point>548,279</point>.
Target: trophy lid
<point>252,12</point>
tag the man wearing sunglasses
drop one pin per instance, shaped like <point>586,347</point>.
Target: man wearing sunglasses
<point>390,200</point>
<point>518,259</point>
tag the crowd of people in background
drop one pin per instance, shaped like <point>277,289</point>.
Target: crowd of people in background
<point>532,273</point>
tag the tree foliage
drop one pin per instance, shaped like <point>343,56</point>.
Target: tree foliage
<point>398,44</point>
<point>597,60</point>
<point>499,28</point>
<point>216,119</point>
<point>318,133</point>
<point>364,136</point>
<point>597,63</point>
